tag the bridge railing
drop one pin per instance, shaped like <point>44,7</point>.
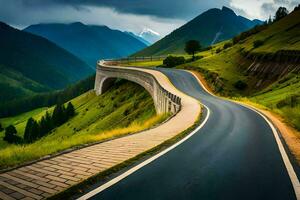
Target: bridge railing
<point>136,59</point>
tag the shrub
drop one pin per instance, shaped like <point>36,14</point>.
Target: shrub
<point>172,61</point>
<point>291,101</point>
<point>218,50</point>
<point>11,135</point>
<point>227,45</point>
<point>257,43</point>
<point>242,36</point>
<point>191,59</point>
<point>240,85</point>
<point>126,112</point>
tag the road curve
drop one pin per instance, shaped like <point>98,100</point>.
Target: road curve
<point>233,156</point>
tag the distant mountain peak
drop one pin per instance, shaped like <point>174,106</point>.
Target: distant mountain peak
<point>212,26</point>
<point>149,35</point>
<point>77,24</point>
<point>228,10</point>
<point>148,31</point>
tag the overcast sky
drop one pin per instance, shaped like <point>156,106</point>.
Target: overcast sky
<point>162,16</point>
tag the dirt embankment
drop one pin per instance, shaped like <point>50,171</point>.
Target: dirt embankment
<point>264,69</point>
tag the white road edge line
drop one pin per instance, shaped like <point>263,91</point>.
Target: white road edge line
<point>285,158</point>
<point>144,163</point>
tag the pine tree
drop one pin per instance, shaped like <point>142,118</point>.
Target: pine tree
<point>281,13</point>
<point>1,128</point>
<point>70,110</point>
<point>65,116</point>
<point>35,131</point>
<point>28,137</point>
<point>58,115</point>
<point>269,20</point>
<point>49,122</point>
<point>43,127</point>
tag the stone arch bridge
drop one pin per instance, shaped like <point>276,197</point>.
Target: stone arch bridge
<point>107,72</point>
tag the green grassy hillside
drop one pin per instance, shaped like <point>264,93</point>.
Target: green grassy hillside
<point>124,109</point>
<point>281,35</point>
<point>224,67</point>
<point>283,97</point>
<point>14,85</point>
<point>229,66</point>
<point>30,64</point>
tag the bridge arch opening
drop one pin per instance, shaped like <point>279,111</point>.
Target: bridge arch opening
<point>106,83</point>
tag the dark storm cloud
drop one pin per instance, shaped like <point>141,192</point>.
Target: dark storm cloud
<point>180,9</point>
<point>134,15</point>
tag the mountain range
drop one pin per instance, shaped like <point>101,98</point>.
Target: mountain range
<point>89,42</point>
<point>31,64</point>
<point>45,57</point>
<point>212,26</point>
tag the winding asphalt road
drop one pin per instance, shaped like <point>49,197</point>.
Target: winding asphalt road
<point>233,156</point>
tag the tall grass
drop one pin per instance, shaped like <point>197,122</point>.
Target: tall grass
<point>16,154</point>
<point>126,108</point>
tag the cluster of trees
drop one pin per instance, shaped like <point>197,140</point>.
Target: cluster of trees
<point>172,61</point>
<point>242,36</point>
<point>21,105</point>
<point>280,13</point>
<point>258,43</point>
<point>37,129</point>
<point>227,45</point>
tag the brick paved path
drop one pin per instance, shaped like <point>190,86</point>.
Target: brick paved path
<point>48,177</point>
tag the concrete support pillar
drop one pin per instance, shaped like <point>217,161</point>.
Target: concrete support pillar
<point>97,83</point>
